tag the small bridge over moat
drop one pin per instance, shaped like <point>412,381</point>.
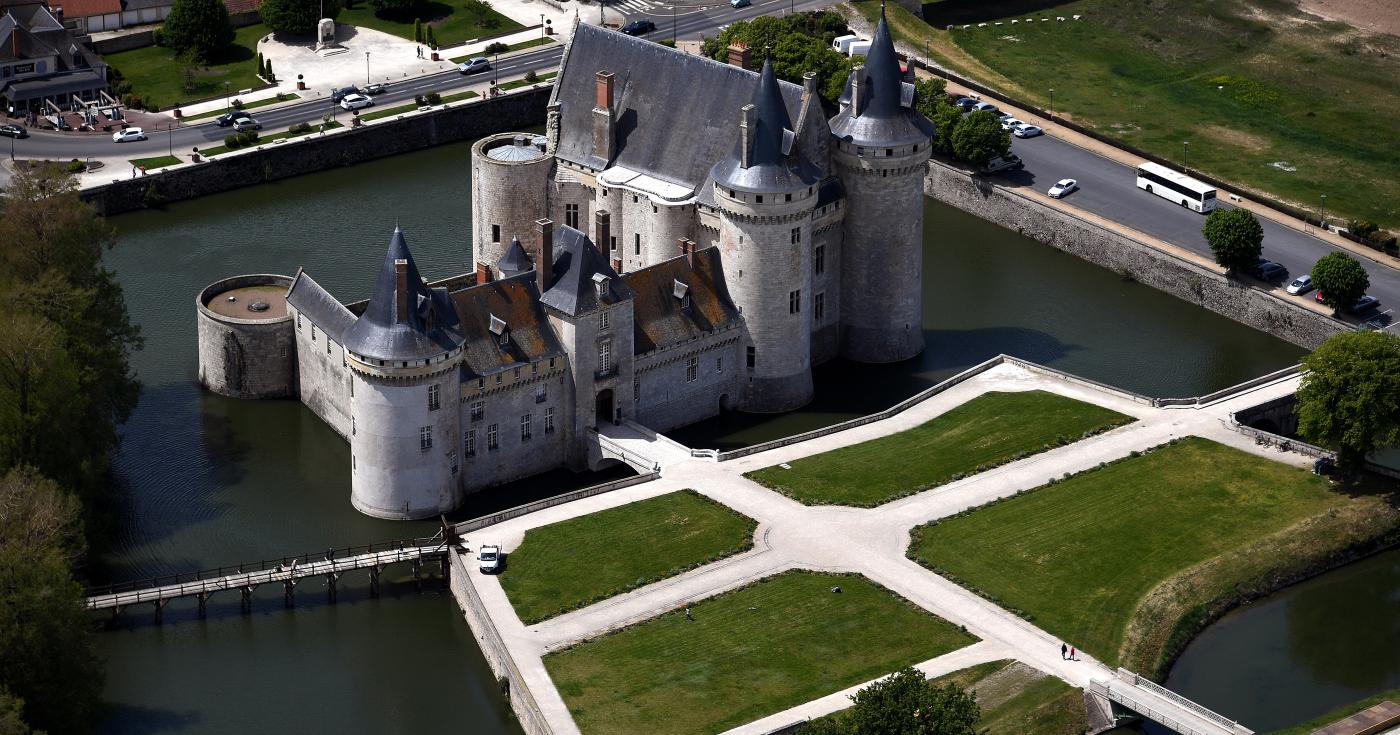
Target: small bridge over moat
<point>1154,702</point>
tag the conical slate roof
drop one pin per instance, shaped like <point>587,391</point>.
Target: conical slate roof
<point>516,260</point>
<point>430,326</point>
<point>573,289</point>
<point>886,116</point>
<point>769,169</point>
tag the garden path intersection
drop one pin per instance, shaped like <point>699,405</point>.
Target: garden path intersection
<point>871,542</point>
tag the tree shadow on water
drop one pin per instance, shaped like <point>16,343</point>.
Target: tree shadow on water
<point>126,718</point>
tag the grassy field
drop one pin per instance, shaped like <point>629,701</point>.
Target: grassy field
<point>570,564</point>
<point>156,75</point>
<point>988,430</point>
<point>401,109</point>
<point>265,139</point>
<point>1340,713</point>
<point>512,47</point>
<point>155,162</point>
<point>280,97</point>
<point>453,23</point>
<point>515,84</point>
<point>1269,97</point>
<point>747,654</point>
<point>1079,555</point>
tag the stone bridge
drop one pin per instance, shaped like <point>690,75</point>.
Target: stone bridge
<point>1162,706</point>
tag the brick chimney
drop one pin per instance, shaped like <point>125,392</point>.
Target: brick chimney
<point>739,55</point>
<point>604,123</point>
<point>602,229</point>
<point>483,273</point>
<point>401,290</point>
<point>746,131</point>
<point>617,265</point>
<point>687,248</point>
<point>544,259</point>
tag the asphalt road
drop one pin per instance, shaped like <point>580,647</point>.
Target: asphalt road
<point>1109,189</point>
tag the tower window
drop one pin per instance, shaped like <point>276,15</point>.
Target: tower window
<point>425,438</point>
<point>819,307</point>
<point>819,260</point>
<point>719,364</point>
<point>637,244</point>
<point>752,358</point>
<point>541,393</point>
<point>492,439</point>
<point>603,319</point>
<point>795,301</point>
<point>452,460</point>
<point>796,235</point>
<point>571,215</point>
<point>612,242</point>
<point>605,356</point>
<point>636,389</point>
<point>298,320</point>
<point>469,444</point>
<point>434,402</point>
<point>549,420</point>
<point>495,233</point>
<point>525,426</point>
<point>758,199</point>
<point>692,369</point>
<point>478,409</point>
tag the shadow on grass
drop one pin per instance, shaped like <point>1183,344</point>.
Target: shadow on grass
<point>944,12</point>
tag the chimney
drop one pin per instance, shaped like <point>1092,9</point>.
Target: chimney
<point>617,265</point>
<point>604,133</point>
<point>483,273</point>
<point>746,131</point>
<point>687,248</point>
<point>739,55</point>
<point>401,293</point>
<point>544,259</point>
<point>857,89</point>
<point>602,229</point>
<point>809,84</point>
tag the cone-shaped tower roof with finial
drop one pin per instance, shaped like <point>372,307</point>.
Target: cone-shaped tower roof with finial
<point>882,112</point>
<point>772,163</point>
<point>405,320</point>
<point>516,260</point>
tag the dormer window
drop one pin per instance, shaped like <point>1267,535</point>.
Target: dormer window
<point>601,282</point>
<point>501,330</point>
<point>681,292</point>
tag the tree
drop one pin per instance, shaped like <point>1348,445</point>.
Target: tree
<point>927,93</point>
<point>946,118</point>
<point>267,73</point>
<point>979,138</point>
<point>1235,238</point>
<point>904,703</point>
<point>12,714</point>
<point>432,38</point>
<point>417,30</point>
<point>1340,279</point>
<point>297,17</point>
<point>798,43</point>
<point>1349,398</point>
<point>496,47</point>
<point>200,28</point>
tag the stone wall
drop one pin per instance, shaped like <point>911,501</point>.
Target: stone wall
<point>245,358</point>
<point>308,155</point>
<point>324,381</point>
<point>666,399</point>
<point>514,457</point>
<point>1117,252</point>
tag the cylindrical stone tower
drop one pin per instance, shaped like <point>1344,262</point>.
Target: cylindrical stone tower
<point>247,343</point>
<point>880,151</point>
<point>510,188</point>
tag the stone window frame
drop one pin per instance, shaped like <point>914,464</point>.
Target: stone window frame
<point>692,369</point>
<point>527,427</point>
<point>469,444</point>
<point>549,420</point>
<point>425,438</point>
<point>603,320</point>
<point>434,397</point>
<point>571,215</point>
<point>541,393</point>
<point>795,301</point>
<point>819,260</point>
<point>819,307</point>
<point>752,356</point>
<point>604,355</point>
<point>796,235</point>
<point>493,438</point>
<point>719,363</point>
<point>478,410</point>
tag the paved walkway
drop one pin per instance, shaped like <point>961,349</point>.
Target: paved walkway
<point>791,535</point>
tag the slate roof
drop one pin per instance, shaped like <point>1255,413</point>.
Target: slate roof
<point>514,301</point>
<point>883,118</point>
<point>572,289</point>
<point>429,328</point>
<point>659,321</point>
<point>515,260</point>
<point>677,113</point>
<point>771,168</point>
<point>316,304</point>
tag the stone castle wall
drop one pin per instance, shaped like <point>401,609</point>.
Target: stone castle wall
<point>1159,269</point>
<point>324,381</point>
<point>511,195</point>
<point>503,407</point>
<point>665,400</point>
<point>245,358</point>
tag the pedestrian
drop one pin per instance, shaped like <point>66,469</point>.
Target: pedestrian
<point>1071,654</point>
<point>419,50</point>
<point>1063,650</point>
<point>687,614</point>
<point>133,172</point>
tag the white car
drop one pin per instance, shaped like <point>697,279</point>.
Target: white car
<point>1300,285</point>
<point>355,101</point>
<point>984,106</point>
<point>122,136</point>
<point>1063,187</point>
<point>1011,123</point>
<point>488,559</point>
<point>1026,130</point>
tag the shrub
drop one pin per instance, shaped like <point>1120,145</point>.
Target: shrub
<point>531,76</point>
<point>237,104</point>
<point>300,129</point>
<point>417,30</point>
<point>433,98</point>
<point>497,48</point>
<point>232,142</point>
<point>419,100</point>
<point>296,17</point>
<point>75,166</point>
<point>432,39</point>
<point>248,137</point>
<point>269,76</point>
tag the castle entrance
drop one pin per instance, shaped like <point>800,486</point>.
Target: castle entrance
<point>605,406</point>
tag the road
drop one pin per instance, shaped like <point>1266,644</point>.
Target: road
<point>1109,189</point>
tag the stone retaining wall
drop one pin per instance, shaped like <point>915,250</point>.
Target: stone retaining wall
<point>460,122</point>
<point>1132,258</point>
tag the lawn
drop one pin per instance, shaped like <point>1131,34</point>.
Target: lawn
<point>572,563</point>
<point>401,109</point>
<point>986,431</point>
<point>280,97</point>
<point>452,22</point>
<point>512,47</point>
<point>156,162</point>
<point>515,84</point>
<point>1079,556</point>
<point>155,75</point>
<point>763,648</point>
<point>266,139</point>
<point>1269,97</point>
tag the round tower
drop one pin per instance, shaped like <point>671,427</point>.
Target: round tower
<point>404,354</point>
<point>766,192</point>
<point>880,152</point>
<point>510,191</point>
<point>247,344</point>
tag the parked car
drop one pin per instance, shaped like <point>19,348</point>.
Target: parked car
<point>740,3</point>
<point>1004,116</point>
<point>13,131</point>
<point>1003,163</point>
<point>229,118</point>
<point>1026,130</point>
<point>1011,123</point>
<point>638,27</point>
<point>488,559</point>
<point>375,89</point>
<point>1300,285</point>
<point>989,107</point>
<point>340,94</point>
<point>247,123</point>
<point>1268,270</point>
<point>966,103</point>
<point>1062,188</point>
<point>130,134</point>
<point>474,65</point>
<point>356,102</point>
<point>1362,304</point>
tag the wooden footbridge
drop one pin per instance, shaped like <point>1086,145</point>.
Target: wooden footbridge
<point>287,571</point>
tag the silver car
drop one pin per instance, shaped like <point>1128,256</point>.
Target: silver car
<point>1300,285</point>
<point>1062,188</point>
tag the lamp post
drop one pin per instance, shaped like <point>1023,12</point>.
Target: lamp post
<point>1052,103</point>
<point>1185,145</point>
<point>170,140</point>
<point>366,67</point>
<point>227,105</point>
<point>673,23</point>
<point>1323,218</point>
<point>541,29</point>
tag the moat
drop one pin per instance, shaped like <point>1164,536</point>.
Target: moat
<point>204,481</point>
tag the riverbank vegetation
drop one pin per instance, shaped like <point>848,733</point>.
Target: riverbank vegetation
<point>573,563</point>
<point>1129,560</point>
<point>65,385</point>
<point>746,654</point>
<point>987,431</point>
<point>1349,398</point>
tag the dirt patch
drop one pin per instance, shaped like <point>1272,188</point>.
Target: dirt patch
<point>1000,687</point>
<point>1247,141</point>
<point>1379,16</point>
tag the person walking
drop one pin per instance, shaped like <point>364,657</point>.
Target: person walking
<point>687,614</point>
<point>1063,650</point>
<point>1071,654</point>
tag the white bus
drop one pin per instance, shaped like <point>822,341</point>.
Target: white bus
<point>1176,187</point>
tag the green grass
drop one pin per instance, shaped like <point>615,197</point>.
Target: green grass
<point>988,430</point>
<point>156,162</point>
<point>264,140</point>
<point>512,47</point>
<point>1340,713</point>
<point>452,22</point>
<point>573,563</point>
<point>522,83</point>
<point>281,97</point>
<point>1247,82</point>
<point>1077,556</point>
<point>401,109</point>
<point>155,74</point>
<point>747,654</point>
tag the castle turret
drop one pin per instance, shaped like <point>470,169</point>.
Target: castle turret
<point>766,191</point>
<point>881,149</point>
<point>515,261</point>
<point>403,353</point>
<point>510,190</point>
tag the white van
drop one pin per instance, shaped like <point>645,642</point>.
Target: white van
<point>859,48</point>
<point>843,43</point>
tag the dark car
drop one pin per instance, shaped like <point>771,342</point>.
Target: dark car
<point>638,27</point>
<point>375,89</point>
<point>1268,270</point>
<point>965,103</point>
<point>229,118</point>
<point>13,131</point>
<point>1362,304</point>
<point>339,94</point>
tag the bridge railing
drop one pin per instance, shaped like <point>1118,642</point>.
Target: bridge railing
<point>1142,705</point>
<point>1177,699</point>
<point>611,448</point>
<point>265,564</point>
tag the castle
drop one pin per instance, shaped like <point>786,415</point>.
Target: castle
<point>687,237</point>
